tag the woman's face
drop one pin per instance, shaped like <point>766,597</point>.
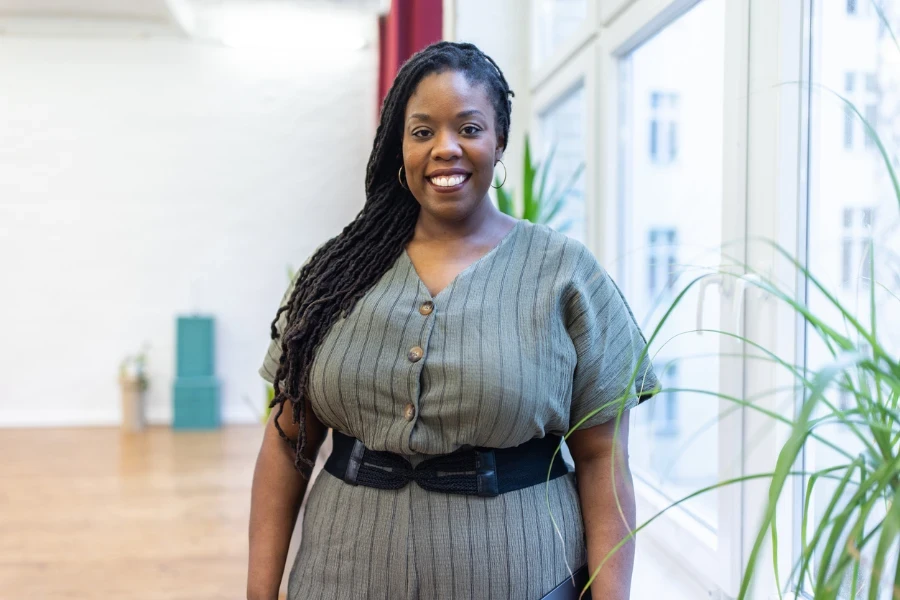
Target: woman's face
<point>450,145</point>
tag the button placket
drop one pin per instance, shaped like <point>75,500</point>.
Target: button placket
<point>415,354</point>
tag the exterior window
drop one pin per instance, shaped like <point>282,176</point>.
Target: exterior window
<point>661,261</point>
<point>856,245</point>
<point>865,99</point>
<point>849,116</point>
<point>666,411</point>
<point>663,127</point>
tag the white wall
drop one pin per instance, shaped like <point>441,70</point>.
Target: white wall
<point>143,179</point>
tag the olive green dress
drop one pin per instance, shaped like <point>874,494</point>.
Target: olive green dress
<point>523,343</point>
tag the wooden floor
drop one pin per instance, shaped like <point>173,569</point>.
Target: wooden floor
<point>93,513</point>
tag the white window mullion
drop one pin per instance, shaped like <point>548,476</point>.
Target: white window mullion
<point>776,176</point>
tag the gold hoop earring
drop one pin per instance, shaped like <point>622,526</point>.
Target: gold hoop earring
<point>497,187</point>
<point>400,178</point>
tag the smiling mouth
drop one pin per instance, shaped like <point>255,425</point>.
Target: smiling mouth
<point>449,182</point>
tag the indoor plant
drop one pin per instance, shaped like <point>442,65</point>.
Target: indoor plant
<point>851,547</point>
<point>538,203</point>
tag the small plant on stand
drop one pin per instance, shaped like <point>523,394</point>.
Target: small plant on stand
<point>134,383</point>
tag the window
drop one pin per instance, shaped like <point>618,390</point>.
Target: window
<point>661,261</point>
<point>663,127</point>
<point>856,245</point>
<point>871,111</point>
<point>845,401</point>
<point>554,23</point>
<point>674,83</point>
<point>562,131</point>
<point>665,408</point>
<point>866,102</point>
<point>849,116</point>
<point>860,8</point>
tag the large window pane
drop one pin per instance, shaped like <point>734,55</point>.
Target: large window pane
<point>853,218</point>
<point>553,23</point>
<point>672,112</point>
<point>562,129</point>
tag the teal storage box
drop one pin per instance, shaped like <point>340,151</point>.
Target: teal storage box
<point>195,393</point>
<point>196,401</point>
<point>195,347</point>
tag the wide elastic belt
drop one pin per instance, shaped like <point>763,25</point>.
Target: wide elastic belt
<point>474,471</point>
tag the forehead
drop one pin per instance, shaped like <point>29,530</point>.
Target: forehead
<point>444,95</point>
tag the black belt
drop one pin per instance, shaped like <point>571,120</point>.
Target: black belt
<point>475,471</point>
<point>570,589</point>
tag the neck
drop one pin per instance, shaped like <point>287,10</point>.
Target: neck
<point>484,219</point>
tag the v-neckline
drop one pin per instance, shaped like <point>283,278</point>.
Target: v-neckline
<point>471,267</point>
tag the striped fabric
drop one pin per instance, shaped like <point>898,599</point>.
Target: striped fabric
<point>524,342</point>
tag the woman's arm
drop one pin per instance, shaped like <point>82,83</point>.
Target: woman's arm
<point>275,500</point>
<point>592,452</point>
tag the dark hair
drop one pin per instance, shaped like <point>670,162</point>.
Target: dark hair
<point>348,265</point>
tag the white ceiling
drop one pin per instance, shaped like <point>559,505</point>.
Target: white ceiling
<point>143,18</point>
<point>157,11</point>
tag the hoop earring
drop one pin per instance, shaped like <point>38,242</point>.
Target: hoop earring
<point>400,178</point>
<point>497,187</point>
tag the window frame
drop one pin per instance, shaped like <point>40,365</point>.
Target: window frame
<point>578,71</point>
<point>543,69</point>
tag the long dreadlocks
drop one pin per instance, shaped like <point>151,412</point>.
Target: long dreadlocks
<point>341,271</point>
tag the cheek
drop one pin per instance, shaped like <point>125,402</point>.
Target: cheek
<point>413,159</point>
<point>484,160</point>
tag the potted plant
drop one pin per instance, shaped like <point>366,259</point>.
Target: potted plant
<point>133,383</point>
<point>539,204</point>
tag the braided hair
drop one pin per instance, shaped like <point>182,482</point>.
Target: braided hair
<point>341,271</point>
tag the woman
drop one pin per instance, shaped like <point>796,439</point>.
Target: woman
<point>436,327</point>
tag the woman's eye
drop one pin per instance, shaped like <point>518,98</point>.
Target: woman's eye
<point>471,129</point>
<point>420,133</point>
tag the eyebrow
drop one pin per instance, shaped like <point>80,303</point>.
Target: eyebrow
<point>460,115</point>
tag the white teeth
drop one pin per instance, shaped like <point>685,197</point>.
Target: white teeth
<point>448,181</point>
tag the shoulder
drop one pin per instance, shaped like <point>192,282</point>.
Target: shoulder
<point>574,261</point>
<point>557,248</point>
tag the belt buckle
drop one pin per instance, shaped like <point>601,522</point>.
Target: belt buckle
<point>355,462</point>
<point>486,473</point>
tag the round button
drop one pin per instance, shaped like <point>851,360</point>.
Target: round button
<point>409,412</point>
<point>426,308</point>
<point>415,354</point>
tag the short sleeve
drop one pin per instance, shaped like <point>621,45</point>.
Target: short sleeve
<point>609,345</point>
<point>273,353</point>
<point>269,366</point>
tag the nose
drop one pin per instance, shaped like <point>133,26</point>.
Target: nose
<point>446,146</point>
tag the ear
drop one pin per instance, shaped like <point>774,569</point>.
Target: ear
<point>501,147</point>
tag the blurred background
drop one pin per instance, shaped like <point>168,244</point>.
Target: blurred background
<point>165,164</point>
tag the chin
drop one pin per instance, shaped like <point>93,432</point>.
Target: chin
<point>449,209</point>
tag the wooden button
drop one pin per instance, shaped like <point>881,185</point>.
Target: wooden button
<point>426,308</point>
<point>409,412</point>
<point>415,354</point>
